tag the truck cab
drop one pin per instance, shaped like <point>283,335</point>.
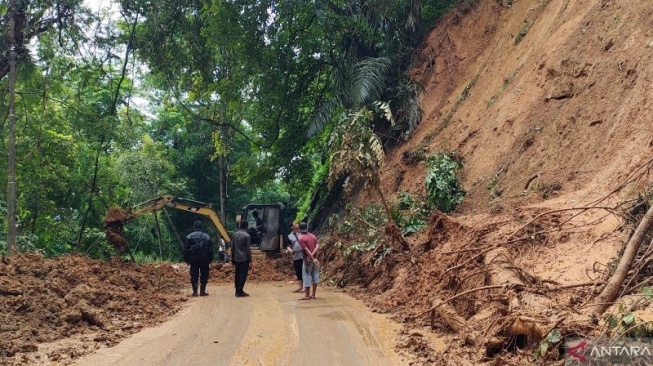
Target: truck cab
<point>266,236</point>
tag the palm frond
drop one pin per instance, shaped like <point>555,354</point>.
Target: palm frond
<point>377,149</point>
<point>322,117</point>
<point>370,77</point>
<point>386,111</point>
<point>413,14</point>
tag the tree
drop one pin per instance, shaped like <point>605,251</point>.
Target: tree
<point>16,15</point>
<point>357,155</point>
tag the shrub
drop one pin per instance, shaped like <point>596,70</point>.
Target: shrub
<point>443,189</point>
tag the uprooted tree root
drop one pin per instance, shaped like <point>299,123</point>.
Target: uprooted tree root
<point>463,282</point>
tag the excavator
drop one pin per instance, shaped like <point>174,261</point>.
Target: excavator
<point>266,236</point>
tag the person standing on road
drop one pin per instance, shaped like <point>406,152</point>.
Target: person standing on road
<point>311,269</point>
<point>198,252</point>
<point>241,257</point>
<point>297,257</point>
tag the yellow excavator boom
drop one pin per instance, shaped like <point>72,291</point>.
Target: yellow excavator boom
<point>159,203</point>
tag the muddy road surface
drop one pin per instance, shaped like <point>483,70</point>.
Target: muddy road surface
<point>271,327</point>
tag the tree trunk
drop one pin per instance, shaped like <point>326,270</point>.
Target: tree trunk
<point>158,234</point>
<point>80,236</point>
<point>11,148</point>
<point>388,213</point>
<point>223,188</point>
<point>612,289</point>
<point>391,228</point>
<point>499,263</point>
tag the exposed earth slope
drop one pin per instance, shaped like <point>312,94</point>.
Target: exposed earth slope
<point>549,106</point>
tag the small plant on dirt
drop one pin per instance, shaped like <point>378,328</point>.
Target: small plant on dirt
<point>410,215</point>
<point>548,190</point>
<point>623,322</point>
<point>444,190</point>
<point>492,185</point>
<point>406,201</point>
<point>141,257</point>
<point>523,31</point>
<point>506,82</point>
<point>363,228</point>
<point>413,157</point>
<point>553,338</point>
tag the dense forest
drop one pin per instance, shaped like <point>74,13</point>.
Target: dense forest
<point>226,102</point>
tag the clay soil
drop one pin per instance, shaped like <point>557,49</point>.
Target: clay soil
<point>56,310</point>
<point>549,105</point>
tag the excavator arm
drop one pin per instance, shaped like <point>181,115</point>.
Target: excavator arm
<point>116,217</point>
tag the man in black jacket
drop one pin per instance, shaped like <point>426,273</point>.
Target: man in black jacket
<point>198,252</point>
<point>241,257</point>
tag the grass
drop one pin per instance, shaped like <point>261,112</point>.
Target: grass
<point>528,23</point>
<point>445,122</point>
<point>506,82</point>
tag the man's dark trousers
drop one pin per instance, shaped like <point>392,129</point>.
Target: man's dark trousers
<point>241,275</point>
<point>199,270</point>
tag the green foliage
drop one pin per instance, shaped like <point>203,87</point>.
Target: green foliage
<point>505,84</point>
<point>528,23</point>
<point>232,88</point>
<point>405,201</point>
<point>318,182</point>
<point>363,229</point>
<point>553,338</point>
<point>410,215</point>
<point>444,190</point>
<point>623,321</point>
<point>356,152</point>
<point>142,258</point>
<point>492,184</point>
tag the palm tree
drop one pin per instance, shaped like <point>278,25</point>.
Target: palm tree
<point>358,156</point>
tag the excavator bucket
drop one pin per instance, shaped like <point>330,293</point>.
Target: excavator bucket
<point>114,226</point>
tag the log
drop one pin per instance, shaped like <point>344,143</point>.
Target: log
<point>612,289</point>
<point>449,316</point>
<point>499,262</point>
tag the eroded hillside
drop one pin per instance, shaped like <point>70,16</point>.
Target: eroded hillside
<point>549,105</point>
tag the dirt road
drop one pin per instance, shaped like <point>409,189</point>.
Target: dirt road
<point>271,327</point>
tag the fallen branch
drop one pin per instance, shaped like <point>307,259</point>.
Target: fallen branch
<point>611,289</point>
<point>449,315</point>
<point>506,286</point>
<point>559,210</point>
<point>463,250</point>
<point>565,287</point>
<point>470,259</point>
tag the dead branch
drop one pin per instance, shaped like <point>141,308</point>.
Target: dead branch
<point>463,250</point>
<point>633,177</point>
<point>611,290</point>
<point>506,286</point>
<point>528,182</point>
<point>559,210</point>
<point>641,264</point>
<point>565,287</point>
<point>358,217</point>
<point>470,259</point>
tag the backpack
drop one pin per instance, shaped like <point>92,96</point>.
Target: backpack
<point>198,247</point>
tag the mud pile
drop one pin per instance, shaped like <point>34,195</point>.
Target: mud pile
<point>263,270</point>
<point>55,310</point>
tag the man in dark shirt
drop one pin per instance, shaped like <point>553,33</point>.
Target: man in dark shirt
<point>198,252</point>
<point>241,257</point>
